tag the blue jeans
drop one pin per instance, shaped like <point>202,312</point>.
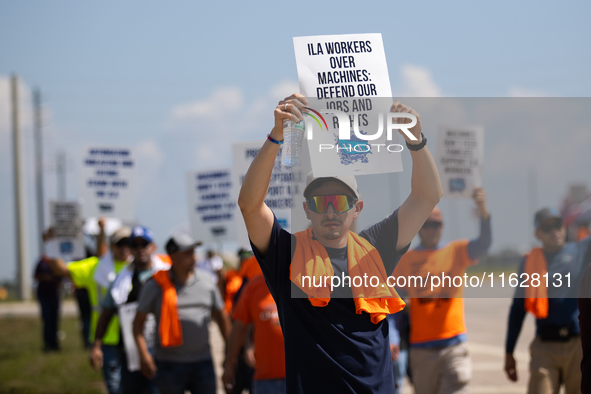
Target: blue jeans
<point>399,369</point>
<point>271,386</point>
<point>196,377</point>
<point>112,367</point>
<point>135,382</point>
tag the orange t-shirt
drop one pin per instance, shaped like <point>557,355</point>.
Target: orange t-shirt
<point>437,314</point>
<point>233,283</point>
<point>250,268</point>
<point>256,305</point>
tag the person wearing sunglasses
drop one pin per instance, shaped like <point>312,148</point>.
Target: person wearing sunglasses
<point>121,297</point>
<point>439,358</point>
<point>335,337</point>
<point>556,351</point>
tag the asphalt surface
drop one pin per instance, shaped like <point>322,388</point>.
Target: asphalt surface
<point>486,320</point>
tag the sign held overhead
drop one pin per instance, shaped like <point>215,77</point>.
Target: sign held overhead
<point>108,183</point>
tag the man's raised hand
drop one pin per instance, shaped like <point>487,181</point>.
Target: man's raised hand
<point>479,197</point>
<point>289,108</point>
<point>397,106</point>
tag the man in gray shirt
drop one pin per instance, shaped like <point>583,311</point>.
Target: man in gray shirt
<point>183,301</point>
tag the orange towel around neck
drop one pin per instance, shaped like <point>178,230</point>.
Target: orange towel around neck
<point>311,259</point>
<point>536,298</point>
<point>170,330</point>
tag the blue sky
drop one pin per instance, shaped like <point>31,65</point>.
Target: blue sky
<point>121,73</point>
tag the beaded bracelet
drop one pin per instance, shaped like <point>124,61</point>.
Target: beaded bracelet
<point>274,141</point>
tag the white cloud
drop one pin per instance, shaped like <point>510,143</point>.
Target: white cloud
<point>226,102</point>
<point>516,91</point>
<point>227,117</point>
<point>417,81</point>
<point>150,151</point>
<point>283,89</point>
<point>219,103</point>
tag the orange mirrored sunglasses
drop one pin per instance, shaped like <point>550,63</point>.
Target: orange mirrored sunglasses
<point>340,202</point>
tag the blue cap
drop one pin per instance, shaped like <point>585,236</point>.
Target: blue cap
<point>143,233</point>
<point>545,214</point>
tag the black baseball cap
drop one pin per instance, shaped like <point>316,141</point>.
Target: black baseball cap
<point>545,214</point>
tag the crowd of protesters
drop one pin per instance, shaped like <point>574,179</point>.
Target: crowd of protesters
<point>148,326</point>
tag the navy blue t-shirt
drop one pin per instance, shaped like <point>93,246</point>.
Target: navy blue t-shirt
<point>47,288</point>
<point>331,348</point>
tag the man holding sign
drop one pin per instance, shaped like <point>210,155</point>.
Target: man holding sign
<point>439,358</point>
<point>335,341</point>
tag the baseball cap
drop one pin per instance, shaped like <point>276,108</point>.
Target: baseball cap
<point>244,253</point>
<point>544,214</point>
<point>121,233</point>
<point>143,233</point>
<point>348,180</point>
<point>435,216</point>
<point>181,243</point>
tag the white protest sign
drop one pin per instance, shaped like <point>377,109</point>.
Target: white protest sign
<point>345,78</point>
<point>127,314</point>
<point>64,218</point>
<point>66,224</point>
<point>460,153</point>
<point>212,208</point>
<point>285,187</point>
<point>107,183</point>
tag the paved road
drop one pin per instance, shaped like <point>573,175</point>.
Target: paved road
<point>31,308</point>
<point>486,320</point>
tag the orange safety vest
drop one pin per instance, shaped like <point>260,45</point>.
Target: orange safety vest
<point>170,330</point>
<point>311,260</point>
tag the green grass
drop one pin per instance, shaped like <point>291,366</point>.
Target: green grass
<point>25,368</point>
